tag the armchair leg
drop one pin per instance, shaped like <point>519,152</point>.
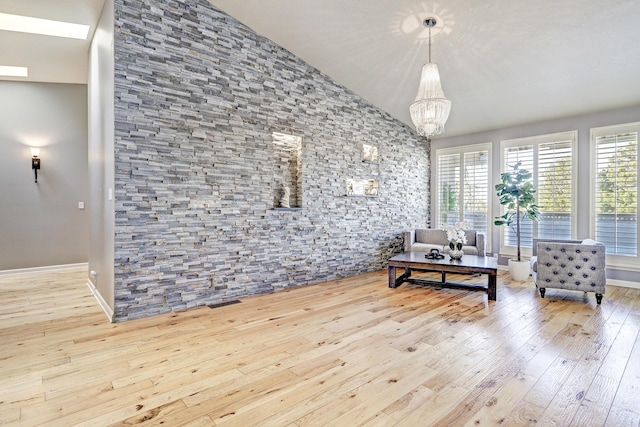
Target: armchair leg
<point>542,291</point>
<point>598,298</point>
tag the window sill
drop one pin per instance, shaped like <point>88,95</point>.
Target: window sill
<point>623,266</point>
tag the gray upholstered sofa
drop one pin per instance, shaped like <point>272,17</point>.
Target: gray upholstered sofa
<point>577,265</point>
<point>425,239</point>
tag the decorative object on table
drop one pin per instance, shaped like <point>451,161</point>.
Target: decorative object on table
<point>457,238</point>
<point>431,108</point>
<point>434,254</point>
<point>370,153</point>
<point>516,193</point>
<point>456,254</point>
<point>284,200</point>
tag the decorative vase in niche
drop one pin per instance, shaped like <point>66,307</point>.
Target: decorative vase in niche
<point>456,254</point>
<point>284,199</point>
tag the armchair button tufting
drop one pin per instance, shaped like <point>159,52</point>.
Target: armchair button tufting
<point>570,258</point>
<point>585,259</point>
<point>578,267</point>
<point>584,276</point>
<point>563,250</point>
<point>555,273</point>
<point>555,257</point>
<point>563,265</point>
<point>593,285</point>
<point>594,252</point>
<point>548,265</point>
<point>577,283</point>
<point>593,268</point>
<point>562,281</point>
<point>577,251</point>
<point>570,274</point>
<point>548,280</point>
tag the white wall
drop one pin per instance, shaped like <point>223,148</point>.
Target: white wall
<point>101,158</point>
<point>582,124</point>
<point>41,224</point>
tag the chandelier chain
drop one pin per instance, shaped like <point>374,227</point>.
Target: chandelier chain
<point>429,44</point>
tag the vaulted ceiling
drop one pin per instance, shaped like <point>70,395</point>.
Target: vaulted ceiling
<point>502,62</point>
<point>49,59</point>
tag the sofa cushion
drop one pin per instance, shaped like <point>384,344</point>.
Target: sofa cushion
<point>470,250</point>
<point>433,236</point>
<point>471,238</point>
<point>591,242</point>
<point>425,247</point>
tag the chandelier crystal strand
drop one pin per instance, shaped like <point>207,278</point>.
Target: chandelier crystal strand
<point>431,108</point>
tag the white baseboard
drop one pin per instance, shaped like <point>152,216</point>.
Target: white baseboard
<point>79,265</point>
<point>101,302</point>
<point>623,283</point>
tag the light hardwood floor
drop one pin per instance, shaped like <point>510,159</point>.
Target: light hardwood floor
<point>346,353</point>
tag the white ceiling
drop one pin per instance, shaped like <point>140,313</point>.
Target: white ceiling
<point>49,59</point>
<point>502,62</point>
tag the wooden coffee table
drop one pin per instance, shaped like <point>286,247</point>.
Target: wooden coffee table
<point>468,264</point>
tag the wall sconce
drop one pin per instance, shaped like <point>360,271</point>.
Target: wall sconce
<point>35,161</point>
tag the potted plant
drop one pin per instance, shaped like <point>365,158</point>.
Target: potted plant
<point>516,194</point>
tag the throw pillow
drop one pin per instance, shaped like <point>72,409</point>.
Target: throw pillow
<point>590,242</point>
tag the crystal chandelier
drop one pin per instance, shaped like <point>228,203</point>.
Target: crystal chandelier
<point>431,108</point>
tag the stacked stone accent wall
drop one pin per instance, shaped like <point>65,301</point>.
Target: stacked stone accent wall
<point>197,97</point>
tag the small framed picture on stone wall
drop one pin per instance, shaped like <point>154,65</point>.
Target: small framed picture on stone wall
<point>370,153</point>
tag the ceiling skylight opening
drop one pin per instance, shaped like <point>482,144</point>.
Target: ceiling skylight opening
<point>26,24</point>
<point>9,71</point>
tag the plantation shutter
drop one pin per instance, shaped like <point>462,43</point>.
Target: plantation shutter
<point>513,155</point>
<point>476,189</point>
<point>449,188</point>
<point>616,192</point>
<point>554,189</point>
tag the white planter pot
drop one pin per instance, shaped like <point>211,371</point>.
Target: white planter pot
<point>519,270</point>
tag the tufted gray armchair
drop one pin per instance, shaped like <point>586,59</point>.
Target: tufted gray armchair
<point>577,265</point>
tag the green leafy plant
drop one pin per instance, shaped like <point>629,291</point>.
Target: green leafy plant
<point>516,193</point>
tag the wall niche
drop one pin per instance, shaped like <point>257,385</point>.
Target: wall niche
<point>288,170</point>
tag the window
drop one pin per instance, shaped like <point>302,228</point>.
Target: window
<point>555,190</point>
<point>550,160</point>
<point>614,195</point>
<point>463,185</point>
